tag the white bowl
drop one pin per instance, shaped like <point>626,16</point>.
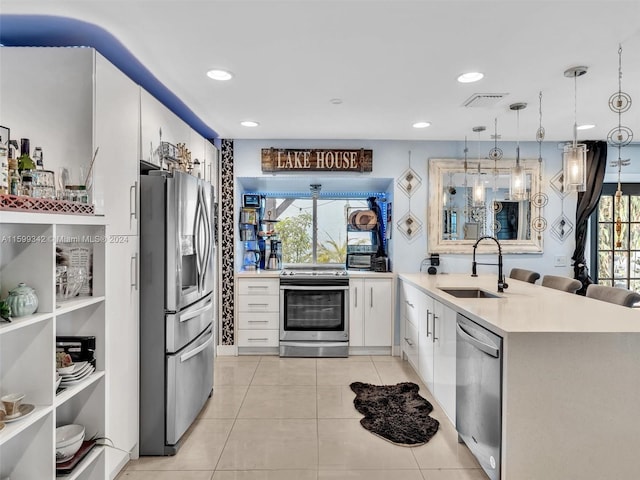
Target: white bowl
<point>68,441</point>
<point>67,434</point>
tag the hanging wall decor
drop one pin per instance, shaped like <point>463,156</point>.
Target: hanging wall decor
<point>539,199</point>
<point>619,137</point>
<point>409,225</point>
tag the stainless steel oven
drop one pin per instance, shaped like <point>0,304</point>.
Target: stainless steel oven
<point>314,313</point>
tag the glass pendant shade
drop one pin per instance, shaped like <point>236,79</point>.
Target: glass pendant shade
<point>478,191</point>
<point>518,183</point>
<point>574,161</point>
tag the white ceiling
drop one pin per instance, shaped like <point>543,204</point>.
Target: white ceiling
<point>391,62</point>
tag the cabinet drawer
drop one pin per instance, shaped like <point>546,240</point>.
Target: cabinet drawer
<point>259,303</point>
<point>413,304</point>
<point>261,320</point>
<point>410,344</point>
<point>259,286</point>
<point>258,338</point>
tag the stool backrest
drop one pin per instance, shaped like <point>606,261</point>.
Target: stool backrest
<point>619,296</point>
<point>565,284</point>
<point>524,275</point>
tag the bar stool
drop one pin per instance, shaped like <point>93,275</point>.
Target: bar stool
<point>565,284</point>
<point>619,296</point>
<point>524,275</point>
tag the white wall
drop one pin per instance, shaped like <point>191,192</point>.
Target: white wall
<point>391,159</point>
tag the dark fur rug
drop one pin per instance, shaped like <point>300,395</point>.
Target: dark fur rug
<point>395,412</point>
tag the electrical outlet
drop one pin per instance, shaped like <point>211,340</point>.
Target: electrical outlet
<point>560,261</point>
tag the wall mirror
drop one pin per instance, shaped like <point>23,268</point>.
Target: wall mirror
<point>457,217</point>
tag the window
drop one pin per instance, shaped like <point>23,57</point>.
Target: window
<point>297,214</point>
<point>617,266</point>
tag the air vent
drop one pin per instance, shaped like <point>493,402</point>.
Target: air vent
<point>484,100</point>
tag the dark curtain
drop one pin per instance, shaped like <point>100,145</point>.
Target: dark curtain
<point>587,202</point>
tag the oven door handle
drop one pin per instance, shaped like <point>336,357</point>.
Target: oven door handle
<point>311,287</point>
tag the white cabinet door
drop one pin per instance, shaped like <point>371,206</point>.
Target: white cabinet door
<point>123,351</point>
<point>117,125</point>
<point>210,167</point>
<point>444,359</point>
<point>378,321</point>
<point>425,339</point>
<point>158,123</point>
<point>356,312</point>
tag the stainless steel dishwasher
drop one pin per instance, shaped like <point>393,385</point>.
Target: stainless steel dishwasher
<point>479,393</point>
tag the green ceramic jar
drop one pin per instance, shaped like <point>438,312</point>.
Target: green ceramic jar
<point>22,300</point>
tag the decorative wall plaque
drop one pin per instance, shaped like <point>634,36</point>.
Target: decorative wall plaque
<point>326,160</point>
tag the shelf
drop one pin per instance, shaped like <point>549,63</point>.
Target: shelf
<point>86,462</point>
<point>50,218</point>
<point>76,303</point>
<point>20,322</point>
<point>12,429</point>
<point>69,392</point>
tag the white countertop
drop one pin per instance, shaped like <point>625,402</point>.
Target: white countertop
<point>276,274</point>
<point>527,308</point>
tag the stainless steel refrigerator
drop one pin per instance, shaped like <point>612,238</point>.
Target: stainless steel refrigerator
<point>177,306</point>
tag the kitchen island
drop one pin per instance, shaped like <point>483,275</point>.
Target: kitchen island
<point>570,379</point>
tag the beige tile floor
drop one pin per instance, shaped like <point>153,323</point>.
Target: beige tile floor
<point>293,419</point>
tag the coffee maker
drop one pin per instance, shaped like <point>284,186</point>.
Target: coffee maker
<point>275,255</point>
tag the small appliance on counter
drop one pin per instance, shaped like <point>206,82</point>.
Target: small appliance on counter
<point>275,256</point>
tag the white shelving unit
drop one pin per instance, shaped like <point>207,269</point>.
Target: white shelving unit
<point>27,345</point>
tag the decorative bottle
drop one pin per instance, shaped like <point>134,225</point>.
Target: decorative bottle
<point>15,182</point>
<point>25,162</point>
<point>38,158</point>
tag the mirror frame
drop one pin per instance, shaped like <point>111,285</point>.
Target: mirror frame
<point>438,169</point>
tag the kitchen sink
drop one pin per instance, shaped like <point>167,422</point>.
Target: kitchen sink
<point>469,293</point>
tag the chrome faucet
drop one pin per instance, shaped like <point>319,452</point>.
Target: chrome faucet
<point>501,283</point>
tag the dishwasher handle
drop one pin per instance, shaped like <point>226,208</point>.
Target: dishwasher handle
<point>486,348</point>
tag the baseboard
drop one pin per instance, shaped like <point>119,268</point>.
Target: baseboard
<point>227,350</point>
<point>378,351</point>
<point>396,351</point>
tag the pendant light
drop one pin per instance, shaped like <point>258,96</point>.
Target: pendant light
<point>574,157</point>
<point>518,179</point>
<point>479,193</point>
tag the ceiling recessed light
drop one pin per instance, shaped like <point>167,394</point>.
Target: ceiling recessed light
<point>249,123</point>
<point>421,124</point>
<point>587,126</point>
<point>470,77</point>
<point>221,75</point>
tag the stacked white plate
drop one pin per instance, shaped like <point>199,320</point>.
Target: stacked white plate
<point>81,371</point>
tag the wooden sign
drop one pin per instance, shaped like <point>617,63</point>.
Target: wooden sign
<point>333,160</point>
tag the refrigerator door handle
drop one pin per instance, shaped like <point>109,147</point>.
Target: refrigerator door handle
<point>205,229</point>
<point>196,313</point>
<point>186,356</point>
<point>196,241</point>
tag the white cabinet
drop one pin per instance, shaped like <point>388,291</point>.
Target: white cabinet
<point>158,123</point>
<point>258,317</point>
<point>89,106</point>
<point>370,312</point>
<point>210,166</point>
<point>429,343</point>
<point>27,345</point>
<point>444,358</point>
<point>123,328</point>
<point>426,344</point>
<point>116,135</point>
